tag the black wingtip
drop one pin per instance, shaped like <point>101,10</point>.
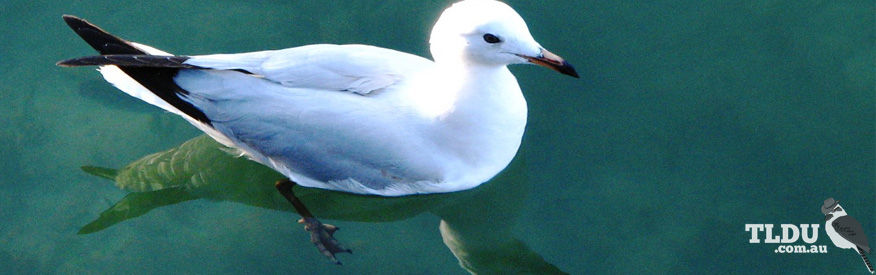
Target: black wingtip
<point>62,63</point>
<point>99,39</point>
<point>68,18</point>
<point>75,62</point>
<point>149,61</point>
<point>157,80</point>
<point>77,23</point>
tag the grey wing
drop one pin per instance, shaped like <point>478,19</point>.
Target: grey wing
<point>359,69</point>
<point>851,230</point>
<point>325,136</point>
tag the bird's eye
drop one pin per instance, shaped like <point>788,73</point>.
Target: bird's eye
<point>492,39</point>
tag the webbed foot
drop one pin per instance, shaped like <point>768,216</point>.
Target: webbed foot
<point>322,236</point>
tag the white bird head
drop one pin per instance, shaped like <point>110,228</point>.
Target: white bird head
<point>834,213</point>
<point>489,33</point>
<point>838,211</point>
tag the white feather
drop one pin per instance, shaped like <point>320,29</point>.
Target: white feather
<point>368,120</point>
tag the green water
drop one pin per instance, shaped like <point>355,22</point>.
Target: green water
<point>691,119</point>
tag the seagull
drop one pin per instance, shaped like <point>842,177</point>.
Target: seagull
<point>351,118</point>
<point>844,231</point>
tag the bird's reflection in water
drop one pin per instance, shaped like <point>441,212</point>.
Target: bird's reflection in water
<point>475,225</point>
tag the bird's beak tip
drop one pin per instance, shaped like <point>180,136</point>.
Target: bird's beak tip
<point>553,62</point>
<point>567,69</point>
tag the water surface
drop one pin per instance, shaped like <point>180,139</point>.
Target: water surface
<point>691,119</point>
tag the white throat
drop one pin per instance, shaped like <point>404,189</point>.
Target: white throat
<point>486,124</point>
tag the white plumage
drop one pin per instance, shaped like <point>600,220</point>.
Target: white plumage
<point>369,120</point>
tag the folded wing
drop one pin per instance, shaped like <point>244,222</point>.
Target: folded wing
<point>358,69</point>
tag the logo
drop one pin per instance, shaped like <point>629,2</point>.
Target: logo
<point>844,232</point>
<point>790,234</point>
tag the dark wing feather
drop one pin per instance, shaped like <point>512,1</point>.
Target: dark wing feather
<point>127,60</point>
<point>159,80</point>
<point>851,230</point>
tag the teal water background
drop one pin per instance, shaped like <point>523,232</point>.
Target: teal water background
<point>691,119</point>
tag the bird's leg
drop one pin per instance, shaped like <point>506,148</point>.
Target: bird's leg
<point>321,235</point>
